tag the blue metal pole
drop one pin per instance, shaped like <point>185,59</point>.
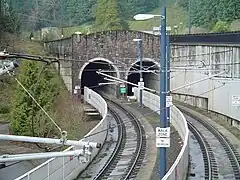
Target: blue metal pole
<point>168,78</point>
<point>140,59</point>
<point>163,165</point>
<point>189,16</point>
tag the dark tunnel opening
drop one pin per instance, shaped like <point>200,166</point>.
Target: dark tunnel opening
<point>134,77</point>
<point>91,79</point>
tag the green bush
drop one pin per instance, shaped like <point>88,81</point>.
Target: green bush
<point>221,26</point>
<point>4,109</point>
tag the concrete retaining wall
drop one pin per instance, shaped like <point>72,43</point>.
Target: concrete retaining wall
<point>195,101</point>
<point>194,62</point>
<point>179,168</point>
<point>66,167</point>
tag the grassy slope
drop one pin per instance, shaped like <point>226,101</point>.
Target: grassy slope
<point>69,115</point>
<point>175,16</point>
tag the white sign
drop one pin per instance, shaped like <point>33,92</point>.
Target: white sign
<point>75,91</point>
<point>236,100</point>
<point>162,142</point>
<point>141,85</point>
<point>77,87</point>
<point>122,85</point>
<point>133,90</point>
<point>162,132</point>
<point>168,28</point>
<point>168,101</point>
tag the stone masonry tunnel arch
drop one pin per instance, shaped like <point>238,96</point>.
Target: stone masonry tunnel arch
<point>149,78</point>
<point>88,74</point>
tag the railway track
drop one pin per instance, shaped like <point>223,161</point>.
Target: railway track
<point>127,157</point>
<point>213,138</point>
<point>210,164</point>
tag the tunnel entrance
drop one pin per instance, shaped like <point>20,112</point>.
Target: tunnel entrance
<point>151,79</point>
<point>91,79</point>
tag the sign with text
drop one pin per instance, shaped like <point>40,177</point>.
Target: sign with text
<point>75,91</point>
<point>162,132</point>
<point>122,85</point>
<point>123,90</point>
<point>162,142</point>
<point>141,85</point>
<point>168,101</point>
<point>168,28</point>
<point>236,100</point>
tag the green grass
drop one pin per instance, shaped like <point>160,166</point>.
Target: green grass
<point>175,16</point>
<point>235,25</point>
<point>67,31</point>
<point>5,118</point>
<point>84,28</point>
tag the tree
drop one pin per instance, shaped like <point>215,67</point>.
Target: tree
<point>108,17</point>
<point>206,13</point>
<point>80,11</point>
<point>8,18</point>
<point>44,88</point>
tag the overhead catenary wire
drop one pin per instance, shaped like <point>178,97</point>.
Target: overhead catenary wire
<point>36,103</point>
<point>49,59</point>
<point>34,91</point>
<point>148,114</point>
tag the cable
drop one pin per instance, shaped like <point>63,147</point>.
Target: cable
<point>176,75</point>
<point>34,91</point>
<point>36,102</point>
<point>139,117</point>
<point>54,59</point>
<point>145,115</point>
<point>194,55</point>
<point>207,65</point>
<point>223,84</point>
<point>42,58</point>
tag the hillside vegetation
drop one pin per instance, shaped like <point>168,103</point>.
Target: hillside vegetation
<point>21,16</point>
<point>44,83</point>
<point>176,16</point>
<point>214,15</point>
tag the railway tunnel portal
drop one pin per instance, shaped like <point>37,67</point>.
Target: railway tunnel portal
<point>150,73</point>
<point>89,77</point>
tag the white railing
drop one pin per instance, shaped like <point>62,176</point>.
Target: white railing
<point>68,168</point>
<point>179,169</point>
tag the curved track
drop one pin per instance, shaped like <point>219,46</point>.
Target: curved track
<point>231,157</point>
<point>211,170</point>
<point>127,157</point>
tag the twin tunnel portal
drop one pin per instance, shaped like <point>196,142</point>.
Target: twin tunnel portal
<point>90,78</point>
